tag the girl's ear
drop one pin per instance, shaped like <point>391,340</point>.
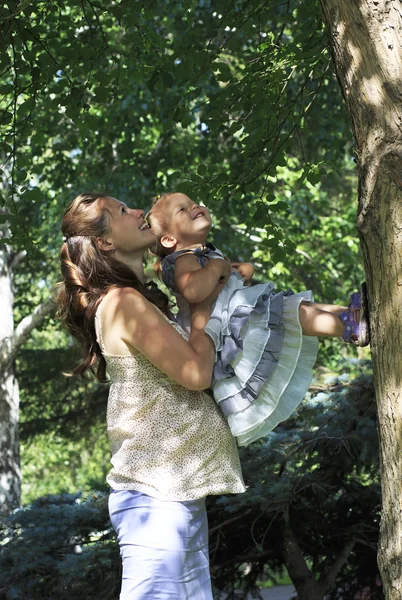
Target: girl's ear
<point>104,245</point>
<point>167,241</point>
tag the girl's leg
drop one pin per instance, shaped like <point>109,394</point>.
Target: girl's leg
<point>350,323</point>
<point>164,547</point>
<point>332,308</point>
<point>321,319</point>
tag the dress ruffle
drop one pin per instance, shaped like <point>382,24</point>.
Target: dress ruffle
<point>264,363</point>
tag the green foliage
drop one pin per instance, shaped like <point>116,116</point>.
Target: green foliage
<point>52,464</point>
<point>60,547</point>
<point>135,99</point>
<point>63,438</point>
<point>52,403</point>
<point>234,104</point>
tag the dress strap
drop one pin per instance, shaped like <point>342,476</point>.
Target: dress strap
<point>98,329</point>
<point>169,263</point>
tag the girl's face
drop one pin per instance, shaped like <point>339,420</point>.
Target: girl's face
<point>129,232</point>
<point>186,223</point>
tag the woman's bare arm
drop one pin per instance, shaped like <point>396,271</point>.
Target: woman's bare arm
<point>141,326</point>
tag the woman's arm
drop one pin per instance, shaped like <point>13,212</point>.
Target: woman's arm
<point>142,327</point>
<point>194,282</point>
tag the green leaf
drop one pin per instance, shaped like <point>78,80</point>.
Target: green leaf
<point>186,120</point>
<point>235,127</point>
<point>202,169</point>
<point>102,94</point>
<point>25,108</point>
<point>155,39</point>
<point>175,174</point>
<point>168,79</point>
<point>184,187</point>
<point>279,206</point>
<point>224,70</point>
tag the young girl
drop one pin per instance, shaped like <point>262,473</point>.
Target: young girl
<point>264,341</point>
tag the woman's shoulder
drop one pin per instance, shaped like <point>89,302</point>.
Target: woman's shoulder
<point>122,294</point>
<point>125,313</point>
<point>126,299</point>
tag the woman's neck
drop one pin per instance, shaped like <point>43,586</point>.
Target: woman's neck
<point>135,262</point>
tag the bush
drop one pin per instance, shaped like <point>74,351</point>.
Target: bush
<point>60,548</point>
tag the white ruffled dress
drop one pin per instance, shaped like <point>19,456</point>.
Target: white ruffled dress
<point>264,363</point>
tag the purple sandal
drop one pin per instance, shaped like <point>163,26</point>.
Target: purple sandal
<point>355,319</point>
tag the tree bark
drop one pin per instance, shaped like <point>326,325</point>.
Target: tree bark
<point>365,39</point>
<point>10,475</point>
<point>10,341</point>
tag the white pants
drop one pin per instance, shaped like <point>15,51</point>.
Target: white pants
<point>164,547</point>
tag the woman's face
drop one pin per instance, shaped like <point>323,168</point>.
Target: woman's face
<point>129,232</point>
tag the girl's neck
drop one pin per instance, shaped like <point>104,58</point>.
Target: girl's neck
<point>190,245</point>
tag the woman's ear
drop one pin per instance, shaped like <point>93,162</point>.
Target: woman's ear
<point>104,245</point>
<point>167,241</point>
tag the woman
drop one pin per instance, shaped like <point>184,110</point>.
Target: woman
<point>170,445</point>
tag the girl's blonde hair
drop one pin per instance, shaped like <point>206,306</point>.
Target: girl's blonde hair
<point>157,219</point>
<point>158,222</point>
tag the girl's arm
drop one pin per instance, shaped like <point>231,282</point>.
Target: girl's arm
<point>142,329</point>
<point>195,283</point>
<point>246,270</point>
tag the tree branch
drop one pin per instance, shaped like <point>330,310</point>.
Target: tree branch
<point>256,556</point>
<point>10,346</point>
<point>17,258</point>
<point>229,521</point>
<point>328,580</point>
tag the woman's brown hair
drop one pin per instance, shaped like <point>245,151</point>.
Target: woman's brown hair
<point>89,273</point>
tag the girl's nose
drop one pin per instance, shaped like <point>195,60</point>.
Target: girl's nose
<point>139,212</point>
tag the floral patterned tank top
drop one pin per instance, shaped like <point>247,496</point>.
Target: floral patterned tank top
<point>166,441</point>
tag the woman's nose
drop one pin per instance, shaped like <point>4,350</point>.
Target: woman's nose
<point>139,212</point>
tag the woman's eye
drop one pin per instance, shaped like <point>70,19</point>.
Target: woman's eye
<point>124,209</point>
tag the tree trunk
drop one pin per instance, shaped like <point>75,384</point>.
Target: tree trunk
<point>302,578</point>
<point>307,586</point>
<point>366,45</point>
<point>10,475</point>
<point>11,339</point>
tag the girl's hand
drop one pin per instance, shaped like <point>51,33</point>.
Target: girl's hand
<point>246,270</point>
<point>226,271</point>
